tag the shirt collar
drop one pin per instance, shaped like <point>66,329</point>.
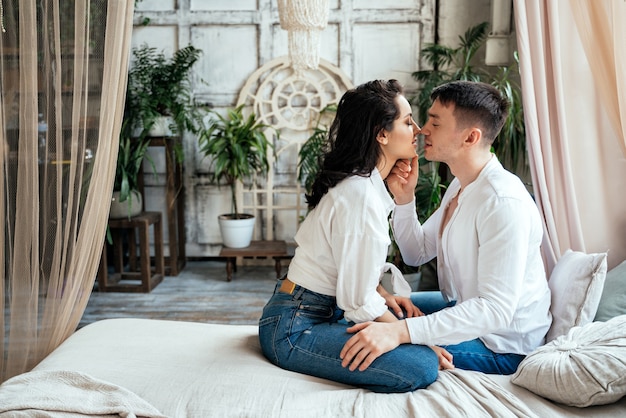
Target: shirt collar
<point>491,165</point>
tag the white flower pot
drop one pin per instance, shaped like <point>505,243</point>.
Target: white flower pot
<point>161,126</point>
<point>125,209</point>
<point>236,233</point>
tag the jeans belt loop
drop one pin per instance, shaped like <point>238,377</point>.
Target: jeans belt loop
<point>299,292</point>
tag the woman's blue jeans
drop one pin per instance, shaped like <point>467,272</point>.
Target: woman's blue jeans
<point>300,332</point>
<point>468,355</point>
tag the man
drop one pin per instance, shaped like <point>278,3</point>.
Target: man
<point>494,300</point>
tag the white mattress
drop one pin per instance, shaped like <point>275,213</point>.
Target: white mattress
<point>188,369</point>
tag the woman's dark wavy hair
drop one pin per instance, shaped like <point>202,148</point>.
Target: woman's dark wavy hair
<point>352,147</point>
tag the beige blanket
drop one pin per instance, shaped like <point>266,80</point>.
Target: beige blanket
<point>193,370</point>
<point>69,394</point>
<point>456,393</point>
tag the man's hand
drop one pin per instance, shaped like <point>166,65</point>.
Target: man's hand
<point>402,180</point>
<point>372,339</point>
<point>445,358</point>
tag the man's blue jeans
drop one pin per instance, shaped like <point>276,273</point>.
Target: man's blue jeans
<point>468,355</point>
<point>300,332</point>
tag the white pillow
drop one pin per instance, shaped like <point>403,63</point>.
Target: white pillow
<point>576,285</point>
<point>585,367</point>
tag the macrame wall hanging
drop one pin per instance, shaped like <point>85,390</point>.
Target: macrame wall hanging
<point>304,20</point>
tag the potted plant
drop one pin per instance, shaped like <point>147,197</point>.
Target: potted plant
<point>238,146</point>
<point>126,200</point>
<point>159,100</point>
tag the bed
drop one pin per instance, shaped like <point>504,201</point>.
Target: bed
<point>157,368</point>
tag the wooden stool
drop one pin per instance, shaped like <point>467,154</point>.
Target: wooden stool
<point>275,249</point>
<point>144,275</point>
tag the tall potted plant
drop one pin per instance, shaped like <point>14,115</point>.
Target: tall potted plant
<point>238,146</point>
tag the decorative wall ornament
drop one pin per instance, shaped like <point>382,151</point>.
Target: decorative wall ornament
<point>304,20</point>
<point>290,102</point>
<point>283,99</point>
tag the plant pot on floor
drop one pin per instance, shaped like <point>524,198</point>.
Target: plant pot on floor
<point>125,209</point>
<point>236,233</point>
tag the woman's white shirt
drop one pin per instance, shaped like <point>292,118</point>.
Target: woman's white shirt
<point>342,246</point>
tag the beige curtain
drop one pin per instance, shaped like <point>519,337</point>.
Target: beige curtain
<point>63,67</point>
<point>602,29</point>
<point>575,122</point>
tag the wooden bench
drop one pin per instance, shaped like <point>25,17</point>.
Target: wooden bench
<point>126,281</point>
<point>274,249</point>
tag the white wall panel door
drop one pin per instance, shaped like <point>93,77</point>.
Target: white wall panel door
<point>391,52</point>
<point>222,70</point>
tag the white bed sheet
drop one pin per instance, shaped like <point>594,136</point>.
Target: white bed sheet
<point>194,370</point>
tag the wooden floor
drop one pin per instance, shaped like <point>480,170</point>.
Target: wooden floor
<point>200,293</point>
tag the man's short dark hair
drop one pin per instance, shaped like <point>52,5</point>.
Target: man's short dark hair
<point>475,103</point>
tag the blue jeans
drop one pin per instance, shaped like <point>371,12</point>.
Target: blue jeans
<point>468,355</point>
<point>300,332</point>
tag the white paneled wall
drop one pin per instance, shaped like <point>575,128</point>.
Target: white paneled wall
<point>364,40</point>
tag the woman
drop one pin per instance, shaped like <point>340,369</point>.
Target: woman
<point>342,249</point>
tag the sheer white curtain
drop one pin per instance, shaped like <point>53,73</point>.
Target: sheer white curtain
<point>575,119</point>
<point>63,69</point>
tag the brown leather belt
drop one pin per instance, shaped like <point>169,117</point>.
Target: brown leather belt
<point>287,286</point>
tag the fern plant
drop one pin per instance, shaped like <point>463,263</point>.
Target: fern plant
<point>160,86</point>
